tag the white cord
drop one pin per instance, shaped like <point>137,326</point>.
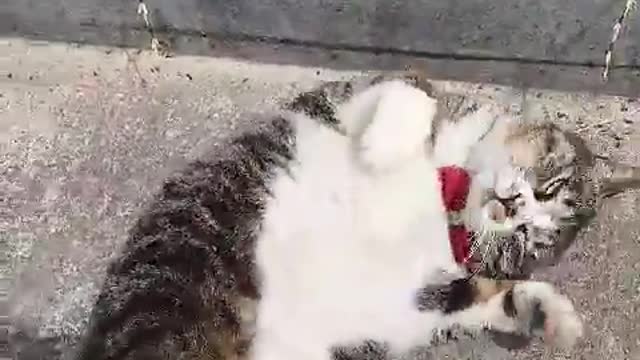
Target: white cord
<point>630,5</point>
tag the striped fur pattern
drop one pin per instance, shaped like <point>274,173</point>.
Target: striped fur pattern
<point>556,165</point>
<point>186,284</point>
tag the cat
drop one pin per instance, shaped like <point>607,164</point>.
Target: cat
<point>321,236</point>
<point>553,162</point>
<point>530,194</point>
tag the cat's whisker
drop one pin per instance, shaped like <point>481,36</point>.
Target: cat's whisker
<point>483,237</point>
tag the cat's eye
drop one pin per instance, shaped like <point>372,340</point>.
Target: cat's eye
<point>550,189</point>
<point>543,195</point>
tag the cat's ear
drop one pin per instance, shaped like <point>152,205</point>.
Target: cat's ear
<point>621,178</point>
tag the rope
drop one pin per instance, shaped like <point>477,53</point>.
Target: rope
<point>143,11</point>
<point>630,4</point>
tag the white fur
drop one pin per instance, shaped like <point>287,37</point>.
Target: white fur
<point>478,143</point>
<point>456,140</point>
<point>475,142</point>
<point>399,127</point>
<point>343,249</point>
<point>565,323</point>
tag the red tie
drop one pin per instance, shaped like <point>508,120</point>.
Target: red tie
<point>455,188</point>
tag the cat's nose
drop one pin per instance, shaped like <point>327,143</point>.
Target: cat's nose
<point>510,206</point>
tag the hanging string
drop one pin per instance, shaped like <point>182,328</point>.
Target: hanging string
<point>630,4</point>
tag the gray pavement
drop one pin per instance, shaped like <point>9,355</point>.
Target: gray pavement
<point>88,133</point>
<point>544,44</point>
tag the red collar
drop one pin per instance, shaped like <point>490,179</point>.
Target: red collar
<point>455,188</point>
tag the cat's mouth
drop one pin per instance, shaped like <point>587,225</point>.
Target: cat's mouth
<point>503,244</point>
<point>509,250</point>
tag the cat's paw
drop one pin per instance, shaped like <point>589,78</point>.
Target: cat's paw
<point>541,311</point>
<point>455,140</point>
<point>400,127</point>
<point>479,122</point>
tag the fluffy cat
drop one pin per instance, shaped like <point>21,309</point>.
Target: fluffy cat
<point>529,195</point>
<point>265,254</point>
<point>557,194</point>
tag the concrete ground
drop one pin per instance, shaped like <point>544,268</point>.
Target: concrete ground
<point>87,135</point>
<point>551,44</point>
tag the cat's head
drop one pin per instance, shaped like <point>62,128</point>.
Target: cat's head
<point>548,173</point>
<point>534,193</point>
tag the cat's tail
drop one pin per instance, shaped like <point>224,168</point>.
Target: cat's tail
<point>156,325</point>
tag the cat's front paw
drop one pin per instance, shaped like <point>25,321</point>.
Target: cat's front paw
<point>399,128</point>
<point>541,311</point>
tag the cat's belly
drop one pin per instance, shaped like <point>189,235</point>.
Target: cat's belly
<point>341,260</point>
<point>322,302</point>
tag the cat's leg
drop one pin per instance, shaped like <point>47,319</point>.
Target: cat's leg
<point>390,124</point>
<point>526,308</point>
<point>456,139</point>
